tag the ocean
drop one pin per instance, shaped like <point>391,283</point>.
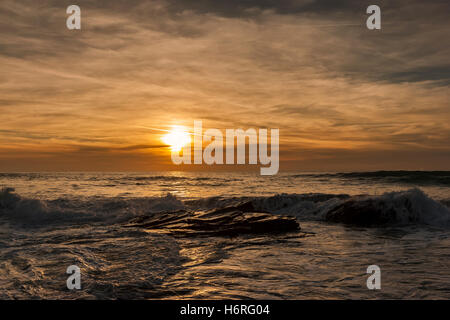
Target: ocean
<point>184,235</point>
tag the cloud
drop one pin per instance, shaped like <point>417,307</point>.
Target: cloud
<point>310,68</point>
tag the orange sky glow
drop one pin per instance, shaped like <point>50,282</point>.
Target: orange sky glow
<point>344,98</point>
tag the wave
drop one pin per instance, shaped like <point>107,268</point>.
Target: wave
<point>109,177</point>
<point>394,208</point>
<point>407,207</point>
<point>403,177</point>
<point>36,212</point>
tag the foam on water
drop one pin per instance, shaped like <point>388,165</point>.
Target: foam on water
<point>404,207</point>
<point>35,212</point>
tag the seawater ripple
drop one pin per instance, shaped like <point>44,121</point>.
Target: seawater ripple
<point>49,224</point>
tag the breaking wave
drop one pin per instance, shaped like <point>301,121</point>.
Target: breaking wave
<point>35,212</point>
<point>404,207</point>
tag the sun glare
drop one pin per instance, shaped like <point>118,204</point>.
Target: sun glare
<point>177,138</point>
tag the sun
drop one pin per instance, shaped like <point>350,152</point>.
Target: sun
<point>177,138</point>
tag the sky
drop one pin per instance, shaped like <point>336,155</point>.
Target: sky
<point>344,98</point>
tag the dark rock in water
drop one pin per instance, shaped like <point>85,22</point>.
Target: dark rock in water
<point>8,199</point>
<point>445,203</point>
<point>246,206</point>
<point>363,213</point>
<point>228,221</point>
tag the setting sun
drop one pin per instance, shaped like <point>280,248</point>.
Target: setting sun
<point>177,138</point>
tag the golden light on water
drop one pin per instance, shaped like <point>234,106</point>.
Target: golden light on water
<point>177,138</point>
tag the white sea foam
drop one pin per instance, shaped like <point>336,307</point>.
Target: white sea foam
<point>406,207</point>
<point>411,206</point>
<point>35,212</point>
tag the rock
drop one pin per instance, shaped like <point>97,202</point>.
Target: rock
<point>363,213</point>
<point>228,221</point>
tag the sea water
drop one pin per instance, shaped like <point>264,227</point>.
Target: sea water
<point>53,220</point>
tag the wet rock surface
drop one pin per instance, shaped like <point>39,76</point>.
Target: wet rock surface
<point>228,221</point>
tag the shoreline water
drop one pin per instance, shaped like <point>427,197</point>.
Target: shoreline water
<point>48,224</point>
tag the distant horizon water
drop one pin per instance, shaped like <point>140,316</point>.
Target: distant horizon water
<point>187,184</point>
